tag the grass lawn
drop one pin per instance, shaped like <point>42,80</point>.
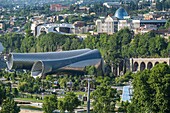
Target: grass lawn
<point>80,93</point>
<point>35,100</point>
<point>30,107</point>
<point>29,99</point>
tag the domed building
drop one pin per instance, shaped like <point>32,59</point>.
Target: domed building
<point>112,24</point>
<point>121,13</point>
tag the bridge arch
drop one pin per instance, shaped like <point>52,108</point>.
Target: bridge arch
<point>142,66</point>
<point>165,62</point>
<point>135,66</point>
<point>139,64</point>
<point>156,63</point>
<point>149,65</point>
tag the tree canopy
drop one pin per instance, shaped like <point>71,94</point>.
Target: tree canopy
<point>113,48</point>
<point>2,93</point>
<point>50,104</point>
<point>151,90</point>
<point>9,106</point>
<point>69,103</point>
<point>104,99</point>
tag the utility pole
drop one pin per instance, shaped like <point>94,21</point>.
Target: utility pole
<point>88,97</point>
<point>88,91</point>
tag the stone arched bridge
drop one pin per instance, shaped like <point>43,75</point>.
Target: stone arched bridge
<point>139,64</point>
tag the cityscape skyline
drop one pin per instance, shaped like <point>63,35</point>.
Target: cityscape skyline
<point>98,56</point>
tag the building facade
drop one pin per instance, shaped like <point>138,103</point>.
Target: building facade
<point>120,20</point>
<point>108,25</point>
<point>58,7</point>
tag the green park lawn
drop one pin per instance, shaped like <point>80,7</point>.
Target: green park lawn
<point>29,99</point>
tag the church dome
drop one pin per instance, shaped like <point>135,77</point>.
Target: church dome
<point>121,13</point>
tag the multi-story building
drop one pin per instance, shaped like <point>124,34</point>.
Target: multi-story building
<point>57,7</point>
<point>56,28</point>
<point>34,26</point>
<point>121,20</point>
<point>109,25</point>
<point>64,28</point>
<point>145,29</point>
<point>124,23</point>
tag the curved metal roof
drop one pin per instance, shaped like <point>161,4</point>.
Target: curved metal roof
<point>121,13</point>
<point>26,60</point>
<point>89,58</point>
<point>51,62</point>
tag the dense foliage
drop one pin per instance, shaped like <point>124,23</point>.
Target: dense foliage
<point>9,106</point>
<point>7,103</point>
<point>151,90</point>
<point>69,103</point>
<point>2,93</point>
<point>104,99</point>
<point>12,42</point>
<point>114,48</point>
<point>50,104</point>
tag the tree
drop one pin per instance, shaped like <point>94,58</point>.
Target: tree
<point>27,43</point>
<point>151,90</point>
<point>23,86</point>
<point>90,70</point>
<point>15,92</point>
<point>10,106</point>
<point>104,99</point>
<point>12,41</point>
<point>36,88</point>
<point>50,103</point>
<point>123,107</point>
<point>69,103</point>
<point>27,26</point>
<point>125,78</point>
<point>167,25</point>
<point>49,78</point>
<point>61,106</point>
<point>63,81</point>
<point>2,93</point>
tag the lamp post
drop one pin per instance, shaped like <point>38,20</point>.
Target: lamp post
<point>88,92</point>
<point>88,97</point>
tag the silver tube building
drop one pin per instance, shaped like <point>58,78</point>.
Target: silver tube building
<point>52,62</point>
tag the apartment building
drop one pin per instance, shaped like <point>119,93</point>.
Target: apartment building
<point>58,7</point>
<point>108,25</point>
<point>121,20</point>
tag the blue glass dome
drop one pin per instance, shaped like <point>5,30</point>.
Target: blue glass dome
<point>121,13</point>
